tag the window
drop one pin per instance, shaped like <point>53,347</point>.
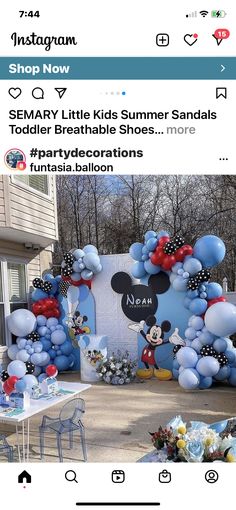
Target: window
<point>16,286</point>
<point>36,182</point>
<point>13,294</point>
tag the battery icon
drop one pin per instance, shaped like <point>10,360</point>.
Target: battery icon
<point>218,14</point>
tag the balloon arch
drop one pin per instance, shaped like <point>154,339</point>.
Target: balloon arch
<point>208,354</point>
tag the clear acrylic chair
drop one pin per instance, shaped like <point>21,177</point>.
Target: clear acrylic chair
<point>5,448</point>
<point>68,422</point>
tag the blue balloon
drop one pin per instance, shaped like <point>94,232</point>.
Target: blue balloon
<point>47,344</point>
<point>232,377</point>
<point>192,266</point>
<point>230,355</point>
<point>150,268</point>
<point>179,284</point>
<point>205,383</point>
<point>176,364</point>
<point>208,366</point>
<point>17,368</point>
<point>210,250</point>
<point>90,248</point>
<point>149,234</point>
<point>175,373</point>
<point>135,251</point>
<point>21,322</point>
<point>187,357</point>
<point>91,261</point>
<point>152,243</point>
<point>52,353</point>
<point>189,379</point>
<point>78,254</point>
<point>71,360</point>
<point>196,345</point>
<point>206,338</point>
<point>214,290</point>
<point>66,348</point>
<point>20,385</point>
<point>52,321</point>
<point>41,320</point>
<point>87,274</point>
<point>138,270</point>
<point>198,306</point>
<point>58,337</point>
<point>42,330</point>
<point>223,373</point>
<point>220,319</point>
<point>41,377</point>
<point>192,294</point>
<point>220,345</point>
<point>190,333</point>
<point>38,294</point>
<point>197,323</point>
<point>61,362</point>
<point>38,346</point>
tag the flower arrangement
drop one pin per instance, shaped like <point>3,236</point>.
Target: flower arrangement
<point>198,443</point>
<point>93,357</point>
<point>117,369</point>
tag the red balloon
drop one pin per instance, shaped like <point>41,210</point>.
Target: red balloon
<point>56,313</point>
<point>8,389</point>
<point>36,308</point>
<point>179,255</point>
<point>159,255</point>
<point>11,381</point>
<point>168,262</point>
<point>51,371</point>
<point>216,300</point>
<point>163,240</point>
<point>188,250</point>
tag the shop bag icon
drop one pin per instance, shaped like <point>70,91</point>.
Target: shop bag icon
<point>164,476</point>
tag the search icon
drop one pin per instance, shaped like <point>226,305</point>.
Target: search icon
<point>38,93</point>
<point>70,476</point>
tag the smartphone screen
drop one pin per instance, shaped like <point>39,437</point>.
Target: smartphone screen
<point>117,254</point>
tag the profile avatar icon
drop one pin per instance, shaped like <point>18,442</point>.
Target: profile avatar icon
<point>15,159</point>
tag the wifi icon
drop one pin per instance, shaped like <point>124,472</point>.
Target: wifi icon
<point>204,13</point>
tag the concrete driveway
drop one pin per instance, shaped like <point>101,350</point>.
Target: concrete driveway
<point>118,418</point>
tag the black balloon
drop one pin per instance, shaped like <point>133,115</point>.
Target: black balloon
<point>63,288</point>
<point>67,271</point>
<point>29,367</point>
<point>38,283</point>
<point>4,376</point>
<point>34,336</point>
<point>47,286</point>
<point>179,241</point>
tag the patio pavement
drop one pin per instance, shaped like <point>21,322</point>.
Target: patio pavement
<point>118,418</point>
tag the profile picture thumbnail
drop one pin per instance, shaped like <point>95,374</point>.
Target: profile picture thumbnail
<point>15,159</point>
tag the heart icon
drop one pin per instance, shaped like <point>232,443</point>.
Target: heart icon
<point>190,39</point>
<point>14,92</point>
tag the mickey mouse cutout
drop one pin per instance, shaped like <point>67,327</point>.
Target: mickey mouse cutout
<point>77,327</point>
<point>154,338</point>
<point>140,303</point>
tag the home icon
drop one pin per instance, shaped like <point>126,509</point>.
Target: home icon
<point>24,477</point>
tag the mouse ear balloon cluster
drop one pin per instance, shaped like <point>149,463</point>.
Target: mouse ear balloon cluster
<point>42,340</point>
<point>208,354</point>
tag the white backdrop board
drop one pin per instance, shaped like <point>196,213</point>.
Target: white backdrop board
<point>110,319</point>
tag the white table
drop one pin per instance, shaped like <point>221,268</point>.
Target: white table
<point>36,407</point>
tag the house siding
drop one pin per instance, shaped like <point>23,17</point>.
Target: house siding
<point>2,204</point>
<point>32,212</point>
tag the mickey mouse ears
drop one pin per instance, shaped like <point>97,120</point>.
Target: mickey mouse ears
<point>121,282</point>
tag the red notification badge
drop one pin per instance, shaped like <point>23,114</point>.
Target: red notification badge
<point>222,33</point>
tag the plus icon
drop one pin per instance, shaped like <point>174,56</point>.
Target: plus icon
<point>162,39</point>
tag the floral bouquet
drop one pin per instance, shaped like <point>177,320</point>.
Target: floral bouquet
<point>117,369</point>
<point>198,443</point>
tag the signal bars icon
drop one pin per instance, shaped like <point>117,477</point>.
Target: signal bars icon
<point>192,14</point>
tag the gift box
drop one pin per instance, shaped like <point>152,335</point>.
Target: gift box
<point>49,386</point>
<point>19,400</point>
